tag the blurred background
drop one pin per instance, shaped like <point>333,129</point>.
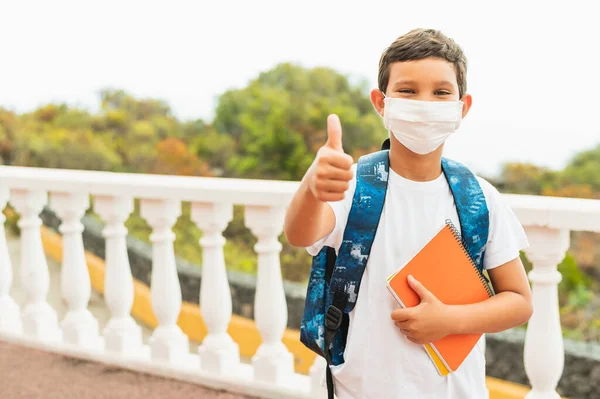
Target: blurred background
<point>242,89</point>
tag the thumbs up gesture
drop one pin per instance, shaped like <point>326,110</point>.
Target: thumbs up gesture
<point>330,173</point>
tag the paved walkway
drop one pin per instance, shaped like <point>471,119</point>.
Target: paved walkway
<point>29,373</point>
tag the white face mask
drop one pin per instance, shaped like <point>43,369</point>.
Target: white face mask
<point>421,126</point>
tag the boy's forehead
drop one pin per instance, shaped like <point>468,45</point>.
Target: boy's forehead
<point>424,70</point>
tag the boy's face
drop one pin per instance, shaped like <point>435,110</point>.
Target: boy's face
<point>428,79</point>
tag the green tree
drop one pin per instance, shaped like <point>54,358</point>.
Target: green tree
<point>134,127</point>
<point>526,178</point>
<point>56,136</point>
<point>8,130</point>
<point>207,143</point>
<point>175,158</point>
<point>584,169</point>
<point>279,120</point>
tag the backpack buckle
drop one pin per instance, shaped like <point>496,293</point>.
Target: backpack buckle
<point>333,318</point>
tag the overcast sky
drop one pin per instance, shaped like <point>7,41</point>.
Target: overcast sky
<point>533,65</point>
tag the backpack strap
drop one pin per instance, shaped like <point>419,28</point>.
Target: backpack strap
<point>367,204</point>
<point>472,209</point>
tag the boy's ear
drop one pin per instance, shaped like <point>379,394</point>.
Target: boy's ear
<point>467,102</point>
<point>377,100</point>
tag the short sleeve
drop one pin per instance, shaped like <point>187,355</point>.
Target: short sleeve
<point>341,209</point>
<point>506,234</point>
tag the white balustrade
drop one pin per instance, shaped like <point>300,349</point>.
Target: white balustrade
<point>10,314</point>
<point>544,352</point>
<point>548,222</point>
<point>272,362</point>
<point>121,334</point>
<point>218,352</point>
<point>39,319</point>
<point>168,343</point>
<point>80,327</point>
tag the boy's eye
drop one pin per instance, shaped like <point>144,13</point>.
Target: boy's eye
<point>443,93</point>
<point>406,91</point>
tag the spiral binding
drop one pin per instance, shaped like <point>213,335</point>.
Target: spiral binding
<point>458,237</point>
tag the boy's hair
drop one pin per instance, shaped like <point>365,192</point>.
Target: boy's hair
<point>423,43</point>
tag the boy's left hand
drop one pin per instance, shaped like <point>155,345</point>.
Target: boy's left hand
<point>425,322</point>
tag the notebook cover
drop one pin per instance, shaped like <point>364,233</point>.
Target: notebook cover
<point>444,268</point>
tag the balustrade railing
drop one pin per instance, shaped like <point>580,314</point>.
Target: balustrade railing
<point>270,373</point>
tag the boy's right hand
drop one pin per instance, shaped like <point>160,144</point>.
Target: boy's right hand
<point>330,173</point>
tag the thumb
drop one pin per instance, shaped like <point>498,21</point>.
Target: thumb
<point>334,133</point>
<point>420,289</point>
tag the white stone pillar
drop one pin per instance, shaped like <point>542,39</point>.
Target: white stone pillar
<point>39,319</point>
<point>79,326</point>
<point>544,350</point>
<point>218,352</point>
<point>121,334</point>
<point>273,362</point>
<point>10,315</point>
<point>168,343</point>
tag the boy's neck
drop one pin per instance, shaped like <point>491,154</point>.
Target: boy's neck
<point>415,167</point>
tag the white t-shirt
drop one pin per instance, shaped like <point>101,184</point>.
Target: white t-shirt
<point>379,361</point>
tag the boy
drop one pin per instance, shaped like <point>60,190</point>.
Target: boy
<point>422,98</point>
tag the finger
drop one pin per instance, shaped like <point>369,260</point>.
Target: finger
<point>403,325</point>
<point>334,133</point>
<point>419,288</point>
<point>330,197</point>
<point>410,335</point>
<point>337,159</point>
<point>332,186</point>
<point>332,172</point>
<point>402,314</point>
<point>413,340</point>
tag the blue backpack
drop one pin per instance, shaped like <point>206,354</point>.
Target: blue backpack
<point>335,279</point>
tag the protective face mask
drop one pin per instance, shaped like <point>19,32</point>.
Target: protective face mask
<point>421,126</point>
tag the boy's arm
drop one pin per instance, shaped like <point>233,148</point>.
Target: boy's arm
<point>432,320</point>
<point>510,307</point>
<point>309,217</point>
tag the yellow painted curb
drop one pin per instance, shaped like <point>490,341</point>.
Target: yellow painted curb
<point>500,389</point>
<point>242,330</point>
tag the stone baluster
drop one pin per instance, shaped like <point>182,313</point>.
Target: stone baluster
<point>39,319</point>
<point>218,352</point>
<point>544,351</point>
<point>121,334</point>
<point>272,362</point>
<point>168,343</point>
<point>10,315</point>
<point>79,326</point>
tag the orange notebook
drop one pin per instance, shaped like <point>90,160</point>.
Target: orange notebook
<point>444,268</point>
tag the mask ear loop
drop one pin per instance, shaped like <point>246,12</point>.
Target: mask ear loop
<point>386,145</point>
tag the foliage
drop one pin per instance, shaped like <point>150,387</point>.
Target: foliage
<point>525,178</point>
<point>584,169</point>
<point>279,120</point>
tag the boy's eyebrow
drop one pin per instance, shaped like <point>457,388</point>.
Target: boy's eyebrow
<point>444,82</point>
<point>437,83</point>
<point>403,82</point>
